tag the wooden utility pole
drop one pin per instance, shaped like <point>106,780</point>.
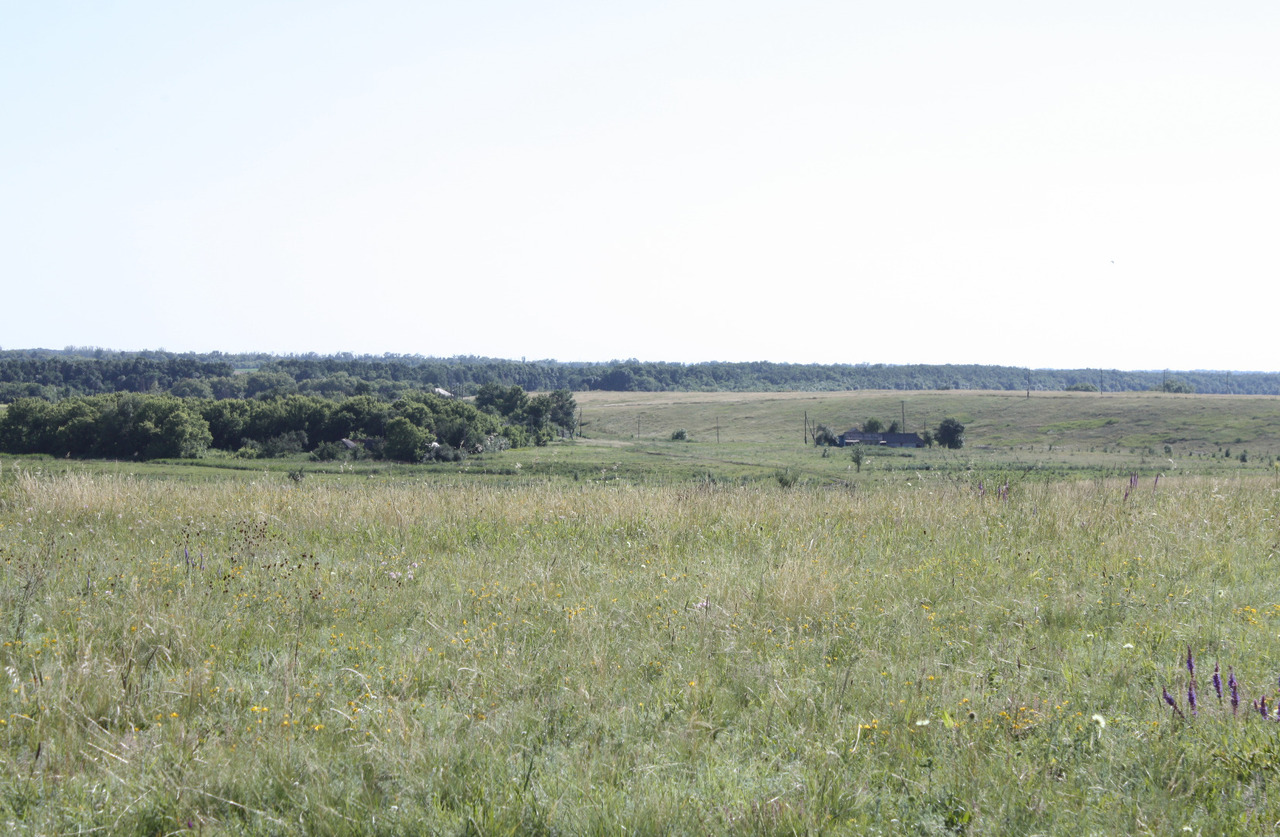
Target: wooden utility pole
<point>904,416</point>
<point>806,427</point>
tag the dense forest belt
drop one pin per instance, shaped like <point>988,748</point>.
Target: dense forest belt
<point>52,375</point>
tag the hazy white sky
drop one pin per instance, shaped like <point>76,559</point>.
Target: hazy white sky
<point>1054,184</point>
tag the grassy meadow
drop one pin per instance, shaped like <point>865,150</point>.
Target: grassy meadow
<point>633,635</point>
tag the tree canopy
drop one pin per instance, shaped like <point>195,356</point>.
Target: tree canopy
<point>411,428</point>
<point>52,375</point>
<point>950,434</point>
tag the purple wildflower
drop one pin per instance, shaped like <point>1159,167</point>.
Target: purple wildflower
<point>1191,663</point>
<point>1235,690</point>
<point>1191,696</point>
<point>1262,707</point>
<point>1168,698</point>
<point>1217,681</point>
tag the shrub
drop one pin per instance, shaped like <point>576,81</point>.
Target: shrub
<point>295,441</point>
<point>329,451</point>
<point>680,436</point>
<point>823,435</point>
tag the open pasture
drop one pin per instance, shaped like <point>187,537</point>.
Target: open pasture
<point>455,656</point>
<point>1191,425</point>
<point>751,436</point>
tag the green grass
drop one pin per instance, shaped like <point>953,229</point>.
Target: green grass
<point>746,438</point>
<point>630,632</point>
<point>394,655</point>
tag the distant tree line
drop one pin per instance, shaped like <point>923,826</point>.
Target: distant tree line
<point>53,375</point>
<point>416,427</point>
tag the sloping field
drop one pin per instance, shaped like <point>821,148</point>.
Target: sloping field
<point>1189,424</point>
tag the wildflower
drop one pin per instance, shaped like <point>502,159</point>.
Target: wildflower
<point>923,722</point>
<point>1168,698</point>
<point>1217,681</point>
<point>1191,663</point>
<point>1099,720</point>
<point>1235,690</point>
<point>1261,706</point>
<point>1191,695</point>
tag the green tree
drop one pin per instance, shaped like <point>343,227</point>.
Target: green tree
<point>191,388</point>
<point>227,420</point>
<point>950,433</point>
<point>504,401</point>
<point>263,384</point>
<point>78,421</point>
<point>564,411</point>
<point>361,415</point>
<point>181,434</point>
<point>25,426</point>
<point>405,440</point>
<point>873,425</point>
